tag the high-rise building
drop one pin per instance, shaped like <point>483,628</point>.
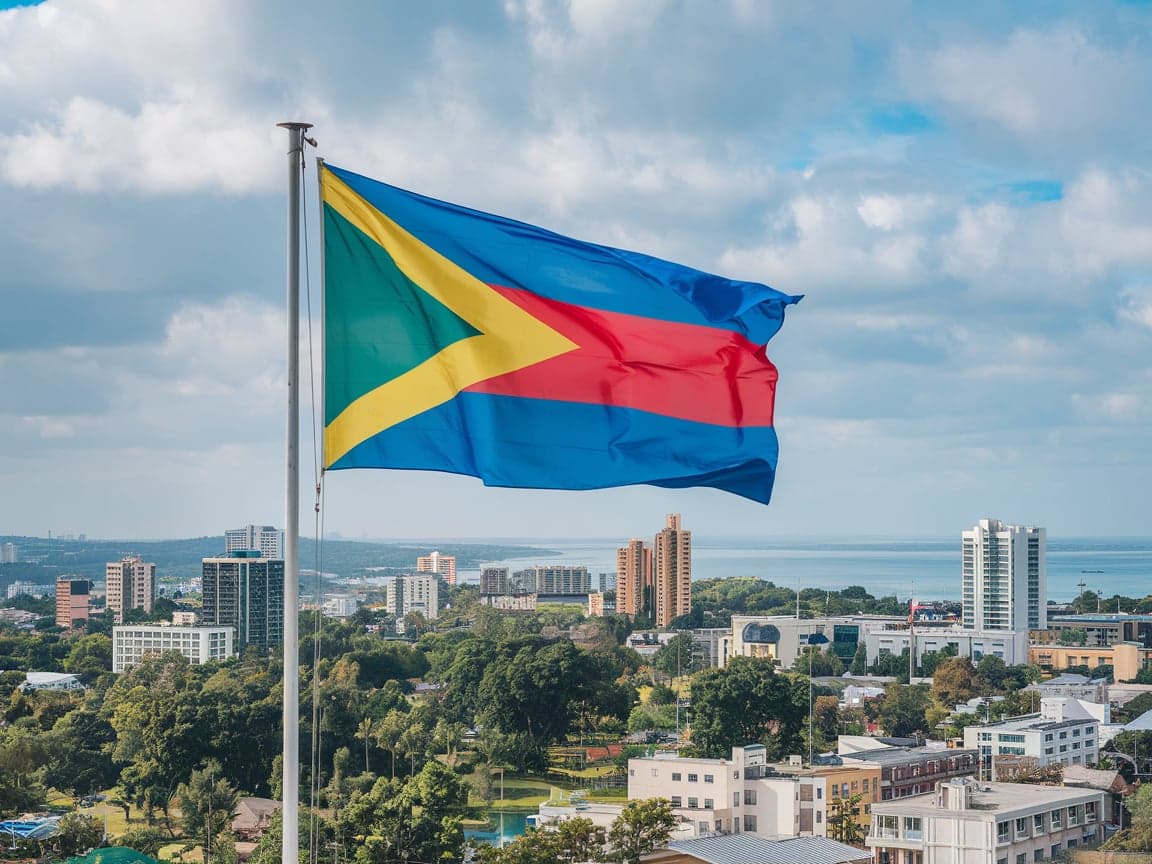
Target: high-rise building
<point>129,584</point>
<point>72,596</point>
<point>555,579</point>
<point>245,590</point>
<point>265,539</point>
<point>1004,577</point>
<point>494,581</point>
<point>9,554</point>
<point>672,571</point>
<point>405,594</point>
<point>444,565</point>
<point>634,578</point>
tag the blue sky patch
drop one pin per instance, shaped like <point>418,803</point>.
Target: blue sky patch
<point>900,119</point>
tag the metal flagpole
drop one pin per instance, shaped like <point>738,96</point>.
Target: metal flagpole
<point>290,786</point>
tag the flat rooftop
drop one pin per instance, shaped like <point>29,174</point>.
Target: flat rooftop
<point>903,755</point>
<point>1033,722</point>
<point>988,798</point>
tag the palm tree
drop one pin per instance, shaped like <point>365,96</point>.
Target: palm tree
<point>364,732</point>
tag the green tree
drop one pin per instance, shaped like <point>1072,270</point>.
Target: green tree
<point>366,733</point>
<point>992,675</point>
<point>145,839</point>
<point>1073,636</point>
<point>641,827</point>
<point>208,804</point>
<point>843,820</point>
<point>675,656</point>
<point>1138,836</point>
<point>746,702</point>
<point>953,682</point>
<point>812,661</point>
<point>76,834</point>
<point>902,710</point>
<point>860,660</point>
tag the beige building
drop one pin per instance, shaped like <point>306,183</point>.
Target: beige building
<point>133,642</point>
<point>965,822</point>
<point>72,599</point>
<point>443,565</point>
<point>633,578</point>
<point>405,594</point>
<point>1125,658</point>
<point>129,584</point>
<point>737,795</point>
<point>672,571</point>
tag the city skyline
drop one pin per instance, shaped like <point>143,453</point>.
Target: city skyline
<point>961,195</point>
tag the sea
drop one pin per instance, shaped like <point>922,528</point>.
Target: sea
<point>923,569</point>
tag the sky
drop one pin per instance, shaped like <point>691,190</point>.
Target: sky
<point>962,192</point>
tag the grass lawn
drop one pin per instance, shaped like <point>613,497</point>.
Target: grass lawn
<point>520,793</point>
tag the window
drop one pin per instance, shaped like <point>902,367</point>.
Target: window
<point>735,775</point>
<point>709,778</point>
<point>709,804</point>
<point>1021,826</point>
<point>865,784</point>
<point>749,798</point>
<point>693,803</point>
<point>1038,823</point>
<point>692,778</point>
<point>912,828</point>
<point>888,826</point>
<point>631,772</point>
<point>1038,855</point>
<point>749,823</point>
<point>1073,842</point>
<point>676,776</point>
<point>655,772</point>
<point>1090,812</point>
<point>819,816</point>
<point>1022,858</point>
<point>676,800</point>
<point>1056,819</point>
<point>819,793</point>
<point>702,828</point>
<point>1001,832</point>
<point>735,799</point>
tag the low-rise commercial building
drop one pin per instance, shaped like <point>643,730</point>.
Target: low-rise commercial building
<point>1100,630</point>
<point>965,822</point>
<point>1011,646</point>
<point>743,794</point>
<point>1125,658</point>
<point>1060,734</point>
<point>131,643</point>
<point>908,771</point>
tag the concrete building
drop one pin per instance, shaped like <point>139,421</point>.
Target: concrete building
<point>510,602</point>
<point>29,589</point>
<point>73,597</point>
<point>1004,581</point>
<point>555,580</point>
<point>783,637</point>
<point>1101,630</point>
<point>1062,733</point>
<point>907,771</point>
<point>442,565</point>
<point>743,794</point>
<point>245,591</point>
<point>184,619</point>
<point>634,579</point>
<point>842,782</point>
<point>405,594</point>
<point>595,605</point>
<point>1125,658</point>
<point>9,554</point>
<point>341,605</point>
<point>710,647</point>
<point>129,583</point>
<point>964,822</point>
<point>1011,646</point>
<point>672,571</point>
<point>132,642</point>
<point>1072,686</point>
<point>494,581</point>
<point>265,539</point>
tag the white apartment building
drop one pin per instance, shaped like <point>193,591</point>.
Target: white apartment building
<point>9,554</point>
<point>1004,577</point>
<point>30,589</point>
<point>733,796</point>
<point>965,822</point>
<point>1011,646</point>
<point>129,584</point>
<point>1061,734</point>
<point>265,539</point>
<point>405,594</point>
<point>130,643</point>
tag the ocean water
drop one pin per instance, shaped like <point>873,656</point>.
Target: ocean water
<point>925,569</point>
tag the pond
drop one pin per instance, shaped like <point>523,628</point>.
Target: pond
<point>503,826</point>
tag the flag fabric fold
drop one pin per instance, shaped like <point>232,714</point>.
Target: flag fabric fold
<point>460,341</point>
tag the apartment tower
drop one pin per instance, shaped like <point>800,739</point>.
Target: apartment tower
<point>634,578</point>
<point>444,565</point>
<point>72,596</point>
<point>265,539</point>
<point>672,571</point>
<point>129,584</point>
<point>245,591</point>
<point>1004,577</point>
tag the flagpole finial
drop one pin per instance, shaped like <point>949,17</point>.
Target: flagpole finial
<point>300,126</point>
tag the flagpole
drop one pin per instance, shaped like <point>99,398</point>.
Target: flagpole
<point>290,785</point>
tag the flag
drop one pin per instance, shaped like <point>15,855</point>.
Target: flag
<point>460,341</point>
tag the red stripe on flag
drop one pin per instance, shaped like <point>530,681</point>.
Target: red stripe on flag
<point>702,374</point>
